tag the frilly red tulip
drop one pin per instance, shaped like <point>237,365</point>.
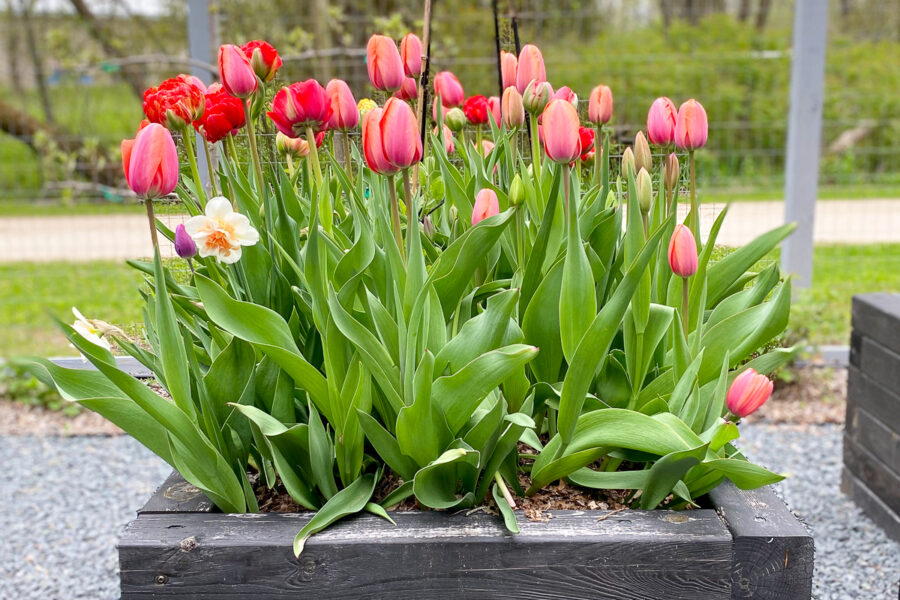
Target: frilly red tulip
<point>486,205</point>
<point>508,68</point>
<point>263,58</point>
<point>411,55</point>
<point>373,149</point>
<point>193,80</point>
<point>174,104</point>
<point>344,114</point>
<point>661,121</point>
<point>384,63</point>
<point>448,87</point>
<point>691,127</point>
<point>559,125</point>
<point>151,162</point>
<point>512,110</point>
<point>566,93</point>
<point>585,141</point>
<point>236,72</point>
<point>223,115</point>
<point>476,110</point>
<point>748,392</point>
<point>408,91</point>
<point>298,106</point>
<point>400,134</point>
<point>683,252</point>
<point>530,67</point>
<point>600,105</point>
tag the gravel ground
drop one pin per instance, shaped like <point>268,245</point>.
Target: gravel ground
<point>51,551</point>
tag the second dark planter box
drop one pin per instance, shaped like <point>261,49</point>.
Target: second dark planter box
<point>748,546</point>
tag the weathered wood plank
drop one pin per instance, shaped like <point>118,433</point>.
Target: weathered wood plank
<point>177,495</point>
<point>870,504</point>
<point>882,403</point>
<point>636,555</point>
<point>773,551</point>
<point>877,476</point>
<point>877,315</point>
<point>880,363</point>
<point>870,433</point>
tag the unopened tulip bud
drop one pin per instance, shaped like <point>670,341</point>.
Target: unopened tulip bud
<point>236,72</point>
<point>600,105</point>
<point>530,68</point>
<point>428,227</point>
<point>453,213</point>
<point>691,126</point>
<point>455,119</point>
<point>511,108</point>
<point>748,392</point>
<point>628,162</point>
<point>516,189</point>
<point>683,252</point>
<point>486,205</point>
<point>671,172</point>
<point>296,147</point>
<point>642,157</point>
<point>184,244</point>
<point>644,190</point>
<point>536,96</point>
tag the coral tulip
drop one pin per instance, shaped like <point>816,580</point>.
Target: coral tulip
<point>223,114</point>
<point>344,114</point>
<point>236,72</point>
<point>384,63</point>
<point>400,134</point>
<point>448,87</point>
<point>530,67</point>
<point>508,68</point>
<point>184,244</point>
<point>691,126</point>
<point>408,91</point>
<point>476,110</point>
<point>152,162</point>
<point>494,109</point>
<point>566,93</point>
<point>373,149</point>
<point>298,106</point>
<point>536,96</point>
<point>683,252</point>
<point>600,105</point>
<point>512,110</point>
<point>748,392</point>
<point>263,58</point>
<point>174,104</point>
<point>560,124</point>
<point>411,54</point>
<point>661,121</point>
<point>486,205</point>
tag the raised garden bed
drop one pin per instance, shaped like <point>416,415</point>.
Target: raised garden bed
<point>871,473</point>
<point>747,545</point>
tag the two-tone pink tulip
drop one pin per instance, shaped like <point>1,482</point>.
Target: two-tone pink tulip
<point>508,68</point>
<point>384,64</point>
<point>600,105</point>
<point>512,111</point>
<point>748,392</point>
<point>411,54</point>
<point>299,106</point>
<point>344,115</point>
<point>530,67</point>
<point>661,121</point>
<point>150,162</point>
<point>236,72</point>
<point>683,252</point>
<point>691,126</point>
<point>559,127</point>
<point>450,90</point>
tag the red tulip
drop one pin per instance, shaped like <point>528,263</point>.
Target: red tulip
<point>344,114</point>
<point>509,68</point>
<point>384,63</point>
<point>151,162</point>
<point>530,67</point>
<point>691,127</point>
<point>400,134</point>
<point>373,149</point>
<point>559,125</point>
<point>263,58</point>
<point>748,392</point>
<point>408,91</point>
<point>511,108</point>
<point>566,93</point>
<point>223,114</point>
<point>411,55</point>
<point>585,141</point>
<point>298,106</point>
<point>494,108</point>
<point>486,205</point>
<point>683,252</point>
<point>236,72</point>
<point>476,110</point>
<point>175,104</point>
<point>448,87</point>
<point>661,121</point>
<point>600,105</point>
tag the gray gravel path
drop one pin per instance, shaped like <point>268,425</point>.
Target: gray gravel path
<point>65,500</point>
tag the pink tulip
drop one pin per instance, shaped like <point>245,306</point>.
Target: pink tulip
<point>300,105</point>
<point>683,252</point>
<point>530,67</point>
<point>512,110</point>
<point>408,91</point>
<point>600,105</point>
<point>448,87</point>
<point>566,93</point>
<point>691,126</point>
<point>748,392</point>
<point>150,162</point>
<point>509,68</point>
<point>384,63</point>
<point>400,134</point>
<point>373,149</point>
<point>344,113</point>
<point>661,122</point>
<point>486,205</point>
<point>493,104</point>
<point>559,127</point>
<point>411,54</point>
<point>236,72</point>
<point>449,146</point>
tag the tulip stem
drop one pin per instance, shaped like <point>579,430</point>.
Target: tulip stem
<point>192,161</point>
<point>151,219</point>
<point>695,210</point>
<point>347,160</point>
<point>520,236</point>
<point>604,168</point>
<point>566,184</point>
<point>325,209</point>
<point>685,309</point>
<point>251,133</point>
<point>601,157</point>
<point>535,145</point>
<point>395,217</point>
<point>209,166</point>
<point>314,155</point>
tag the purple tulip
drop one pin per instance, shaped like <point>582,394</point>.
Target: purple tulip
<point>184,245</point>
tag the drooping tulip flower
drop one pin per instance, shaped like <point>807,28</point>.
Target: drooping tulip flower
<point>530,67</point>
<point>508,68</point>
<point>263,58</point>
<point>448,87</point>
<point>494,109</point>
<point>384,63</point>
<point>691,126</point>
<point>221,231</point>
<point>298,106</point>
<point>486,205</point>
<point>408,91</point>
<point>295,147</point>
<point>600,105</point>
<point>454,118</point>
<point>585,141</point>
<point>566,93</point>
<point>342,106</point>
<point>748,392</point>
<point>559,124</point>
<point>400,134</point>
<point>411,54</point>
<point>184,244</point>
<point>643,159</point>
<point>661,121</point>
<point>512,110</point>
<point>364,106</point>
<point>223,114</point>
<point>476,110</point>
<point>174,104</point>
<point>683,252</point>
<point>236,72</point>
<point>536,96</point>
<point>150,161</point>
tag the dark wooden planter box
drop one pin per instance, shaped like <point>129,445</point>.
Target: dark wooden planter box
<point>748,546</point>
<point>871,473</point>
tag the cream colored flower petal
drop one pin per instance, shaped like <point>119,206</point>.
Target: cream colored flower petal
<point>78,315</point>
<point>218,208</point>
<point>203,250</point>
<point>195,225</point>
<point>231,257</point>
<point>248,237</point>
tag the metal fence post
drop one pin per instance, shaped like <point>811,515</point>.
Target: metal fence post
<point>199,47</point>
<point>804,136</point>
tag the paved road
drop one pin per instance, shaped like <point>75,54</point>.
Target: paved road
<point>119,237</point>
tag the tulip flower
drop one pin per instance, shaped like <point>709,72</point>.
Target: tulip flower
<point>600,105</point>
<point>642,157</point>
<point>450,90</point>
<point>476,110</point>
<point>174,104</point>
<point>193,80</point>
<point>295,147</point>
<point>494,108</point>
<point>512,110</point>
<point>223,114</point>
<point>566,93</point>
<point>236,72</point>
<point>683,252</point>
<point>400,134</point>
<point>560,128</point>
<point>89,330</point>
<point>661,122</point>
<point>408,91</point>
<point>691,127</point>
<point>536,96</point>
<point>364,106</point>
<point>530,67</point>
<point>508,68</point>
<point>585,141</point>
<point>384,63</point>
<point>221,232</point>
<point>344,114</point>
<point>449,146</point>
<point>151,162</point>
<point>486,205</point>
<point>373,150</point>
<point>411,54</point>
<point>184,244</point>
<point>263,58</point>
<point>748,392</point>
<point>300,106</point>
<point>454,118</point>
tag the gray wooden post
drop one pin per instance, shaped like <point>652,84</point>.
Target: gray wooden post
<point>804,136</point>
<point>200,48</point>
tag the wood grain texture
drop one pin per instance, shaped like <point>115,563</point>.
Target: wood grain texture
<point>870,433</point>
<point>880,402</point>
<point>177,495</point>
<point>877,315</point>
<point>880,363</point>
<point>871,504</point>
<point>773,551</point>
<point>877,476</point>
